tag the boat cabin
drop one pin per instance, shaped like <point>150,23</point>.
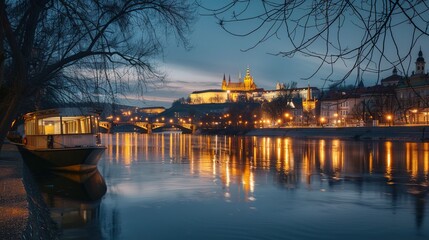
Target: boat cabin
<point>61,128</point>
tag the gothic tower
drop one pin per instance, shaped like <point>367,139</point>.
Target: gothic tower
<point>224,83</point>
<point>248,80</point>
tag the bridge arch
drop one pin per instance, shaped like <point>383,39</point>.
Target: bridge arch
<point>149,127</point>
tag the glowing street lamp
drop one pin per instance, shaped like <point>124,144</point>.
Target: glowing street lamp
<point>389,119</point>
<point>322,121</point>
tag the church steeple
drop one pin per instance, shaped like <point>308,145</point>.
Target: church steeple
<point>248,80</point>
<point>395,71</point>
<point>309,104</point>
<point>309,92</point>
<point>420,64</point>
<point>224,82</point>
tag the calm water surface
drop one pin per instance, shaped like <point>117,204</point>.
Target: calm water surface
<point>176,186</point>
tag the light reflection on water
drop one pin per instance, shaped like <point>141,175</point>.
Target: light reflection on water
<point>170,185</point>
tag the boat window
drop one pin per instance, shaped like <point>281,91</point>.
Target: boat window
<point>76,125</point>
<point>30,127</point>
<point>52,125</point>
<point>48,126</point>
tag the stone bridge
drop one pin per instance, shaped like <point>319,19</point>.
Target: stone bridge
<point>150,127</point>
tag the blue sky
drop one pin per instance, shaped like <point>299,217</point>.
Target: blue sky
<point>215,53</point>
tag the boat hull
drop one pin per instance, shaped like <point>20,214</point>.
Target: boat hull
<point>79,159</point>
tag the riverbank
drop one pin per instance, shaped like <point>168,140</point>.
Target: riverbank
<point>24,213</point>
<point>394,133</point>
<point>13,197</point>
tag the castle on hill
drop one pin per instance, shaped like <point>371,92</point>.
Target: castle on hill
<point>247,90</point>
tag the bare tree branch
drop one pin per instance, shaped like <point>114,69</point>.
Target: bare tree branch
<point>355,34</point>
<point>53,49</point>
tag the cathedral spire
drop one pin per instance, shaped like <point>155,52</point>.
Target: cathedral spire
<point>224,82</point>
<point>308,92</point>
<point>248,71</point>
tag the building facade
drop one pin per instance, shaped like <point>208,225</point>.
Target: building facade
<point>208,96</point>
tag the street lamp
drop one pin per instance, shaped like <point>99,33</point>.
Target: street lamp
<point>322,121</point>
<point>288,117</point>
<point>389,119</point>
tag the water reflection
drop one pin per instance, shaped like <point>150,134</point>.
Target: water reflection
<point>363,175</point>
<point>64,205</point>
<point>240,157</point>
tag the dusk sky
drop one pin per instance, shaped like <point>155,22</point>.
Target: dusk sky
<point>215,53</point>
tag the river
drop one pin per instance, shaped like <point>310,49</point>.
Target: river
<point>179,186</point>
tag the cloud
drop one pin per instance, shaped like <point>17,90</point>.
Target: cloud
<point>187,79</point>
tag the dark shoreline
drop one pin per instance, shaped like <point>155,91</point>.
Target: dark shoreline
<point>13,195</point>
<point>394,133</point>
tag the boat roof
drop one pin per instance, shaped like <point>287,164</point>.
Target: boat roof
<point>63,112</point>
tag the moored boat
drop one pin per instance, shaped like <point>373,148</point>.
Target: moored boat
<point>62,139</point>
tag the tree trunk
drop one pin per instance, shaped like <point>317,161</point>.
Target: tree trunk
<point>9,111</point>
